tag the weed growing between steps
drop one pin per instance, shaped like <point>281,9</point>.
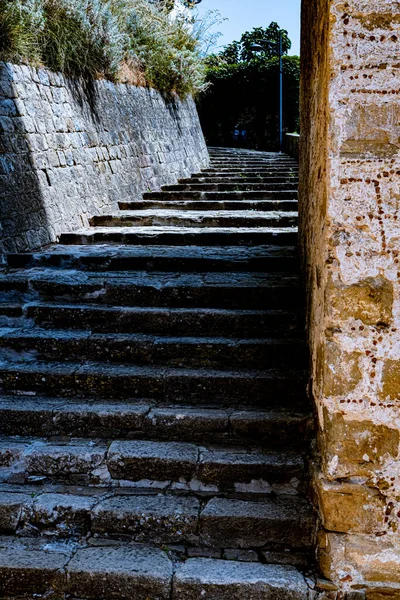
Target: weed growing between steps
<point>131,41</point>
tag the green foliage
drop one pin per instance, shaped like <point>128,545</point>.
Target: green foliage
<point>168,49</point>
<point>95,38</point>
<point>266,39</point>
<point>19,23</point>
<point>244,91</point>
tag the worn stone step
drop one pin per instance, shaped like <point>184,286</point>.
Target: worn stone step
<point>11,314</point>
<point>139,288</point>
<point>218,523</point>
<point>123,571</point>
<point>41,416</point>
<point>157,258</point>
<point>230,186</point>
<point>168,321</point>
<point>237,171</point>
<point>43,344</point>
<point>180,466</point>
<point>163,518</point>
<point>197,218</point>
<point>31,568</point>
<point>207,469</point>
<point>201,178</point>
<point>267,389</point>
<point>242,160</point>
<point>183,236</point>
<point>230,580</point>
<point>284,194</point>
<point>213,205</point>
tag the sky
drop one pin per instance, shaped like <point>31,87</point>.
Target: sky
<point>243,15</point>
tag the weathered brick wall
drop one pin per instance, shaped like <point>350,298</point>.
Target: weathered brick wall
<point>350,198</point>
<point>66,154</point>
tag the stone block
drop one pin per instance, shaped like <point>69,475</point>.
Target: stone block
<point>369,301</point>
<point>350,507</point>
<point>341,370</point>
<point>226,580</point>
<point>29,572</point>
<point>161,519</point>
<point>122,573</point>
<point>360,559</point>
<point>355,447</point>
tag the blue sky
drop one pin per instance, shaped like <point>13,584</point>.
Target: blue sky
<point>243,15</point>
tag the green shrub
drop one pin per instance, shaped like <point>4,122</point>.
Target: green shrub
<point>19,25</point>
<point>100,38</point>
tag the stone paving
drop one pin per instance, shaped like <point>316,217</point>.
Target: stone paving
<point>154,422</point>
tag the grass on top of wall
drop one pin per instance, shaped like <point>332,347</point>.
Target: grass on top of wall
<point>133,41</point>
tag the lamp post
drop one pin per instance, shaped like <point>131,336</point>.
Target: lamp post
<point>279,45</point>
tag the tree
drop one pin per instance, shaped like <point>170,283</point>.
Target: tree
<point>244,91</point>
<point>244,50</point>
<point>170,4</point>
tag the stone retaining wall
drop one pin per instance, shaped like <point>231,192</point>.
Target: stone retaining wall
<point>350,233</point>
<point>67,153</point>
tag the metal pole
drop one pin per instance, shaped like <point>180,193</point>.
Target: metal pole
<point>280,93</point>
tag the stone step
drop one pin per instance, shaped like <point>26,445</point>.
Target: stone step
<point>284,194</point>
<point>244,160</point>
<point>183,236</point>
<point>162,518</point>
<point>230,580</point>
<point>237,186</point>
<point>156,258</point>
<point>267,389</point>
<point>251,164</point>
<point>288,173</point>
<point>71,346</point>
<point>214,469</point>
<point>212,205</point>
<point>168,321</point>
<point>157,465</point>
<point>11,315</point>
<point>188,290</point>
<point>201,178</point>
<point>40,416</point>
<point>168,217</point>
<point>123,571</point>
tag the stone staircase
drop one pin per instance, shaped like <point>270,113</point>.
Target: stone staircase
<point>153,417</point>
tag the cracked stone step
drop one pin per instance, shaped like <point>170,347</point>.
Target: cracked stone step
<point>136,572</point>
<point>43,344</point>
<point>230,186</point>
<point>233,323</point>
<point>120,571</point>
<point>168,519</point>
<point>213,205</point>
<point>266,389</point>
<point>79,462</point>
<point>183,236</point>
<point>156,258</point>
<point>231,580</point>
<point>139,288</point>
<point>41,416</point>
<point>198,218</point>
<point>152,464</point>
<point>158,519</point>
<point>216,469</point>
<point>284,194</point>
